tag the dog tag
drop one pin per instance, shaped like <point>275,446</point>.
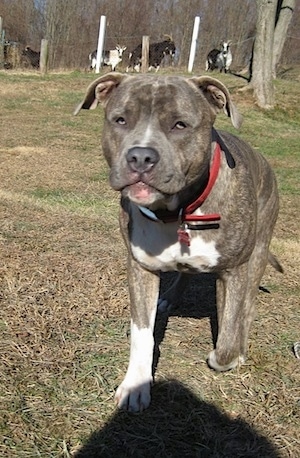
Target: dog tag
<point>183,235</point>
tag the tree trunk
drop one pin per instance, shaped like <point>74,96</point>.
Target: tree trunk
<point>285,9</point>
<point>262,78</point>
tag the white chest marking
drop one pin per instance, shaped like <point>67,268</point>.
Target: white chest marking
<point>157,248</point>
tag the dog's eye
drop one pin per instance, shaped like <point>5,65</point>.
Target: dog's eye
<point>121,121</point>
<point>180,125</point>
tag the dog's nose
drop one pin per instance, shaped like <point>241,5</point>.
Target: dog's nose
<point>142,159</point>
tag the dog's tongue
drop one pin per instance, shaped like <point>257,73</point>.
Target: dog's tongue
<point>140,190</point>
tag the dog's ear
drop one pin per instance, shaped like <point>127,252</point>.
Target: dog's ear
<point>218,97</point>
<point>99,91</point>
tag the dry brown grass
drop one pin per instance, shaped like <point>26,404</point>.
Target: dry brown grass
<point>64,303</point>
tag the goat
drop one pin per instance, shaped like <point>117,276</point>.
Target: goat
<point>157,51</point>
<point>33,57</point>
<point>111,58</point>
<point>219,58</point>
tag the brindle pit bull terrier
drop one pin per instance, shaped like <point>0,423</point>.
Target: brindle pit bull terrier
<point>192,200</point>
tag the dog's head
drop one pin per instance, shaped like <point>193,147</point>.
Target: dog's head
<point>157,132</point>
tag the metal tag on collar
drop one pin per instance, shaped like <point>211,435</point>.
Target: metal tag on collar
<point>183,235</point>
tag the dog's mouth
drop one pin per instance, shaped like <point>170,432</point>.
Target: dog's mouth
<point>142,193</point>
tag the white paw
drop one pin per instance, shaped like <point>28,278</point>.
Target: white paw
<point>134,398</point>
<point>163,305</point>
<point>212,362</point>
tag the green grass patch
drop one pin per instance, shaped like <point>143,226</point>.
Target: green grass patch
<point>288,180</point>
<point>73,201</point>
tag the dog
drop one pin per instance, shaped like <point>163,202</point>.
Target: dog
<point>193,200</point>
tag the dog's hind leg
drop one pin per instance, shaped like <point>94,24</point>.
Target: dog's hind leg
<point>259,259</point>
<point>236,296</point>
<point>256,267</point>
<point>134,392</point>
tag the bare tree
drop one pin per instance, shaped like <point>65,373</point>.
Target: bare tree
<point>21,22</point>
<point>262,76</point>
<point>291,50</point>
<point>285,9</point>
<point>59,18</point>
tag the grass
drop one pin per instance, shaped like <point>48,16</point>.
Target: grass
<point>64,316</point>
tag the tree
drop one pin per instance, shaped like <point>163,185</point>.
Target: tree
<point>71,27</point>
<point>262,77</point>
<point>284,13</point>
<point>273,18</point>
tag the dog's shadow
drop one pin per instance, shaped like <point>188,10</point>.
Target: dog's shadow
<point>199,297</point>
<point>198,301</point>
<point>177,424</point>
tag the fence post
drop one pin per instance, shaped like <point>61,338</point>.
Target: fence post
<point>100,45</point>
<point>145,54</point>
<point>2,39</point>
<point>194,43</point>
<point>44,56</point>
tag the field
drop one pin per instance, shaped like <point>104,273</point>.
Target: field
<point>65,309</point>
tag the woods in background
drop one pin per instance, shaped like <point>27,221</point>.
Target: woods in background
<point>71,26</point>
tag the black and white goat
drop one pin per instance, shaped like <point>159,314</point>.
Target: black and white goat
<point>157,51</point>
<point>111,58</point>
<point>219,59</point>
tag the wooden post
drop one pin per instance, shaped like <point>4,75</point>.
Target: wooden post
<point>2,38</point>
<point>44,56</point>
<point>145,54</point>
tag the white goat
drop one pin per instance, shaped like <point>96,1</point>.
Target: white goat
<point>220,59</point>
<point>111,58</point>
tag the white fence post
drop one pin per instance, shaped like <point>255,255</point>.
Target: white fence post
<point>44,56</point>
<point>194,43</point>
<point>100,45</point>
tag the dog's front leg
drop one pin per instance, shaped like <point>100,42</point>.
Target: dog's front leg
<point>134,392</point>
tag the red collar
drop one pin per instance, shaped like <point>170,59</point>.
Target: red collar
<point>185,214</point>
<point>213,174</point>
